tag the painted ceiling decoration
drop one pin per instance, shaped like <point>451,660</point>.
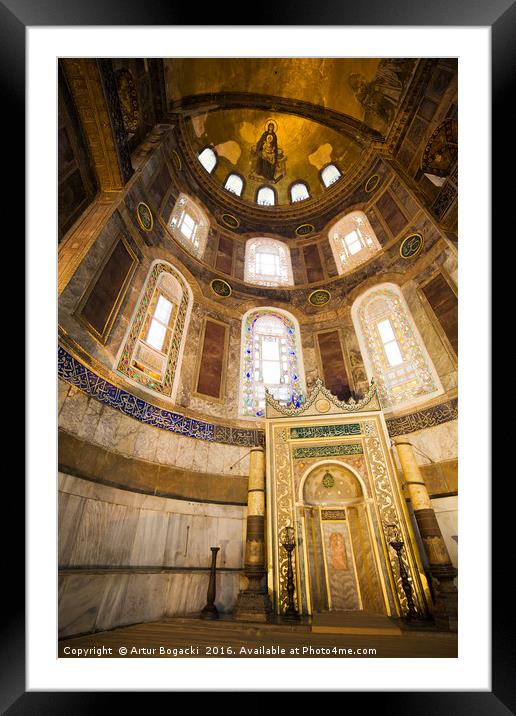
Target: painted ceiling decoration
<point>278,121</point>
<point>366,89</point>
<point>274,150</point>
<point>440,154</point>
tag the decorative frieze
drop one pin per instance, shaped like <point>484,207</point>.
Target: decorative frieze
<point>328,450</point>
<point>73,371</point>
<point>427,418</point>
<point>325,431</point>
<point>330,515</point>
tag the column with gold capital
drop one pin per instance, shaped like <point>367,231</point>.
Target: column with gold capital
<point>440,564</point>
<point>253,603</point>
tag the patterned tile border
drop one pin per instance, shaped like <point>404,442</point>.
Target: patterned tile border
<point>75,373</point>
<point>428,418</point>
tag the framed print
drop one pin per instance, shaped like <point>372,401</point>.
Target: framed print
<point>282,475</point>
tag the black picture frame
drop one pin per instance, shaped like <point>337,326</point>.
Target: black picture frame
<point>500,16</point>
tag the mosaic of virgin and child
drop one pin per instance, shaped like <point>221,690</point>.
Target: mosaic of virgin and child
<point>268,161</point>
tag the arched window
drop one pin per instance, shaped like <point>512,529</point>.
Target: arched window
<point>234,184</point>
<point>271,358</point>
<point>393,351</point>
<point>189,225</point>
<point>353,241</point>
<point>330,174</point>
<point>152,349</point>
<point>299,192</point>
<point>267,263</point>
<point>208,159</point>
<point>266,196</point>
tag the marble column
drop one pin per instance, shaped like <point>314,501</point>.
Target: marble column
<point>441,568</point>
<point>253,604</point>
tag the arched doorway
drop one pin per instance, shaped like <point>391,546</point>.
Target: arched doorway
<point>342,569</point>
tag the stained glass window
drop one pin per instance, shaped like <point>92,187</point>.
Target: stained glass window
<point>189,225</point>
<point>208,159</point>
<point>266,196</point>
<point>393,351</point>
<point>267,262</point>
<point>330,175</point>
<point>152,348</point>
<point>353,241</point>
<point>299,192</point>
<point>271,358</point>
<point>234,184</point>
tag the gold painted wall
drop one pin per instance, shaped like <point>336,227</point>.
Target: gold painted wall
<point>292,454</point>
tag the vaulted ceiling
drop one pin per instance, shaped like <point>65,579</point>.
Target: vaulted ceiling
<point>322,111</point>
<point>333,83</point>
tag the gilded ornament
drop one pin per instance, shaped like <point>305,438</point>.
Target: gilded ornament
<point>144,216</point>
<point>220,287</point>
<point>372,183</point>
<point>411,246</point>
<point>320,297</point>
<point>230,221</point>
<point>304,229</point>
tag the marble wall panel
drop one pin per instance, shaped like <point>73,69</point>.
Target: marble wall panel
<point>149,541</point>
<point>70,510</point>
<point>106,431</point>
<point>96,602</point>
<point>72,410</point>
<point>200,457</point>
<point>446,369</point>
<point>185,452</point>
<point>80,600</point>
<point>146,443</point>
<point>186,594</point>
<point>111,606</point>
<point>438,444</point>
<point>104,536</point>
<point>101,526</point>
<point>166,447</point>
<point>102,425</point>
<point>216,458</point>
<point>126,434</point>
<point>179,532</point>
<point>446,511</point>
<point>62,391</point>
<point>145,598</point>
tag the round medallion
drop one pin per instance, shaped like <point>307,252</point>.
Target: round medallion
<point>230,220</point>
<point>220,287</point>
<point>372,183</point>
<point>320,297</point>
<point>322,406</point>
<point>176,159</point>
<point>304,229</point>
<point>328,480</point>
<point>144,216</point>
<point>411,246</point>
